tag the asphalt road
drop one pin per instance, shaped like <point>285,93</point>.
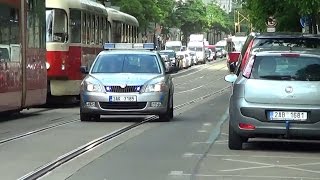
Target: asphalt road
<point>192,146</point>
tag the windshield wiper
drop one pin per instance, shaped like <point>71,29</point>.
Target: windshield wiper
<point>279,77</point>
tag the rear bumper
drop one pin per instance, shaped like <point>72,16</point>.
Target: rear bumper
<point>255,114</point>
<point>64,87</point>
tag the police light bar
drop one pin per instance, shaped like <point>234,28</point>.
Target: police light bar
<point>128,46</point>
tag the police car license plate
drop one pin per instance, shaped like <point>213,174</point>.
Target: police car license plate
<point>284,115</point>
<point>122,98</point>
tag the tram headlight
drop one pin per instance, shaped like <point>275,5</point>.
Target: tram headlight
<point>47,65</point>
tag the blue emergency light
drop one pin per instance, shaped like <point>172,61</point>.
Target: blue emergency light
<point>129,46</point>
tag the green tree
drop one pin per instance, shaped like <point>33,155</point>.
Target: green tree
<point>191,17</point>
<point>308,8</point>
<point>218,19</point>
<point>287,12</point>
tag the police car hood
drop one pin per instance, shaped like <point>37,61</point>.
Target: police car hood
<point>129,79</point>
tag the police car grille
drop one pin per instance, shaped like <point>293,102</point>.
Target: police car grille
<point>123,105</point>
<point>123,90</point>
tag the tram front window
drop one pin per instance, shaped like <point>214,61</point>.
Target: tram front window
<point>56,25</point>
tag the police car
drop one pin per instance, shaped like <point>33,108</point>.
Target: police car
<point>127,79</point>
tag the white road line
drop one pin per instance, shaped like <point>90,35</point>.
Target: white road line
<point>248,168</point>
<point>252,176</point>
<point>225,134</point>
<point>268,165</point>
<point>249,162</point>
<point>197,143</point>
<point>216,131</point>
<point>176,173</point>
<point>257,156</point>
<point>189,90</point>
<point>202,131</point>
<point>207,124</point>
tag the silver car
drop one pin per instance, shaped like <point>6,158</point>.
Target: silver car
<point>277,95</point>
<point>127,82</point>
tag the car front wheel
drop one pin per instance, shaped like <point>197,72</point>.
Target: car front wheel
<point>168,115</point>
<point>89,117</point>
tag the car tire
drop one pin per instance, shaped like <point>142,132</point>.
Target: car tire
<point>168,115</point>
<point>235,141</point>
<point>89,117</point>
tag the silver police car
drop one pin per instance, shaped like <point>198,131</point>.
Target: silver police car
<point>127,79</point>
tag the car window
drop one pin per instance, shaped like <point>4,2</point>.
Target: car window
<point>126,63</point>
<point>289,42</point>
<point>286,68</point>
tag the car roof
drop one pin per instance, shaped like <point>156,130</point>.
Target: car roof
<point>167,51</point>
<point>284,35</point>
<point>147,52</point>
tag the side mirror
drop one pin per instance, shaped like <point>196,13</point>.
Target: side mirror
<point>84,70</point>
<point>231,78</point>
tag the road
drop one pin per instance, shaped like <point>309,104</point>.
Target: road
<point>192,146</point>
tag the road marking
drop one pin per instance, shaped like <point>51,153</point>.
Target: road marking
<point>268,165</point>
<point>196,143</point>
<point>189,90</point>
<point>207,124</point>
<point>216,131</point>
<point>187,154</point>
<point>202,131</point>
<point>251,176</point>
<point>225,134</point>
<point>255,156</point>
<point>176,173</point>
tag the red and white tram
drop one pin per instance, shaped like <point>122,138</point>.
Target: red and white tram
<point>23,81</point>
<point>76,31</point>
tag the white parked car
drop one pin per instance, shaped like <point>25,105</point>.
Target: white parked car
<point>185,59</point>
<point>167,62</point>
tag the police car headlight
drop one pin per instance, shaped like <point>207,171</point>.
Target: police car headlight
<point>47,65</point>
<point>92,87</point>
<point>158,87</point>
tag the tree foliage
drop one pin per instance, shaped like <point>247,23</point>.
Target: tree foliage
<point>218,18</point>
<point>287,12</point>
<point>147,11</point>
<point>192,16</point>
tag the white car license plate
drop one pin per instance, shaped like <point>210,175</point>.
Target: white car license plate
<point>122,98</point>
<point>284,115</point>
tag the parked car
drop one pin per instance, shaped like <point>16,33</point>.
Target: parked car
<point>167,62</point>
<point>261,40</point>
<point>172,56</point>
<point>193,57</point>
<point>276,95</point>
<point>185,60</point>
<point>219,53</point>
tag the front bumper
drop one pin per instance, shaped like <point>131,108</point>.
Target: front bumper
<point>98,103</point>
<point>255,114</point>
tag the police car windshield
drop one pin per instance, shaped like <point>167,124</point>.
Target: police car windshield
<point>126,63</point>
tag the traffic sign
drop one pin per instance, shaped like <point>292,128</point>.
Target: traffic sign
<point>304,21</point>
<point>271,22</point>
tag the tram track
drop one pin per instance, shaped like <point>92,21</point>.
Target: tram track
<point>63,123</point>
<point>23,135</point>
<point>43,170</point>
